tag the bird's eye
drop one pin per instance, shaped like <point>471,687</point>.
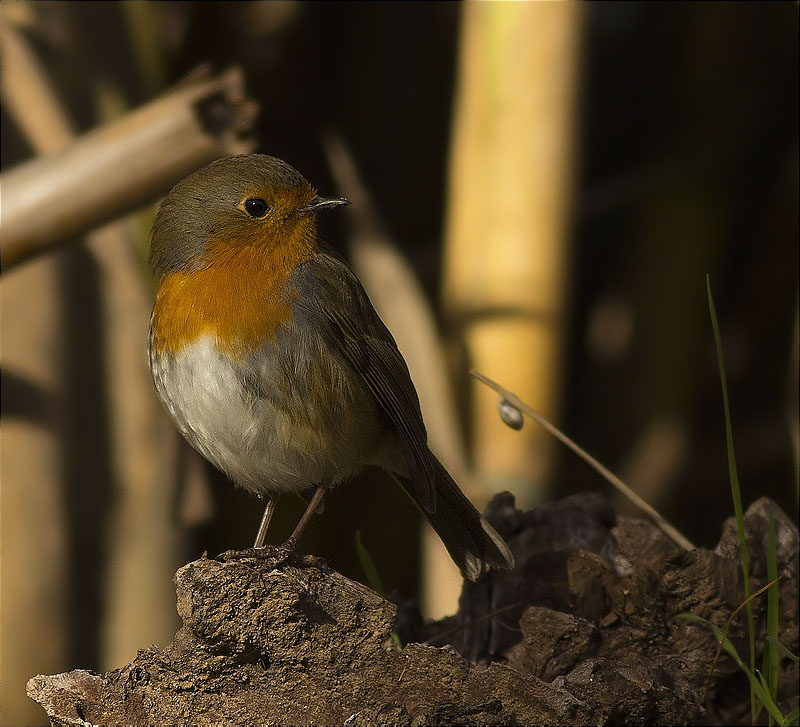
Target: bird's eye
<point>256,207</point>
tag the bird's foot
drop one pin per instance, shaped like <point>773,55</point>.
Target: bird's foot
<point>278,554</point>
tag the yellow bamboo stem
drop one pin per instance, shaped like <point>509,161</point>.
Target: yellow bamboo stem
<point>505,288</point>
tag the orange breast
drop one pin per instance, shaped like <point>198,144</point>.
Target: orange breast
<point>240,297</point>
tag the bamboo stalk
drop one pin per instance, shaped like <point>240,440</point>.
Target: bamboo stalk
<point>505,285</point>
<point>33,628</point>
<point>119,167</point>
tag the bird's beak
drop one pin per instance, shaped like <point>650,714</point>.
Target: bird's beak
<point>319,204</point>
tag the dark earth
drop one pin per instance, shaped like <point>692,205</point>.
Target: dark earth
<point>582,632</point>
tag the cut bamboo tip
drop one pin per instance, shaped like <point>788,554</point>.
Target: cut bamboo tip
<point>123,165</point>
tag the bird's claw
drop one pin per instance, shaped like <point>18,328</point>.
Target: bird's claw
<point>277,553</point>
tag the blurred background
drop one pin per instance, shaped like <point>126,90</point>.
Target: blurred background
<point>540,190</point>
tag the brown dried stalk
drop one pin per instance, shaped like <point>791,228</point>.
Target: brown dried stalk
<point>122,165</point>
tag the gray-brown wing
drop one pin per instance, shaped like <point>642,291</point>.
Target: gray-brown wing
<point>333,296</point>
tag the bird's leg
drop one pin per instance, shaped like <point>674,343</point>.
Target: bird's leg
<point>261,535</point>
<point>291,542</point>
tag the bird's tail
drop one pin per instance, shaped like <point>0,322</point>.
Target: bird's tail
<point>473,544</point>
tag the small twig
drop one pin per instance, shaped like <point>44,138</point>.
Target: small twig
<point>513,400</point>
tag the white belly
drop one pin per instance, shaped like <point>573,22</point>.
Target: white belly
<point>272,426</point>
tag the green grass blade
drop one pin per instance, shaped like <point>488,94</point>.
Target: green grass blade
<point>767,700</point>
<point>770,660</point>
<point>757,682</point>
<point>793,718</point>
<point>759,688</point>
<point>374,580</point>
<point>782,649</point>
<point>368,565</point>
<point>734,480</point>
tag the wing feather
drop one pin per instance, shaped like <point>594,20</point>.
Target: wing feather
<point>332,294</point>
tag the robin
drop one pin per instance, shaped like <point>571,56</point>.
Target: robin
<point>274,365</point>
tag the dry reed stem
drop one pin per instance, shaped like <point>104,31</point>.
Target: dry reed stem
<point>669,530</point>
